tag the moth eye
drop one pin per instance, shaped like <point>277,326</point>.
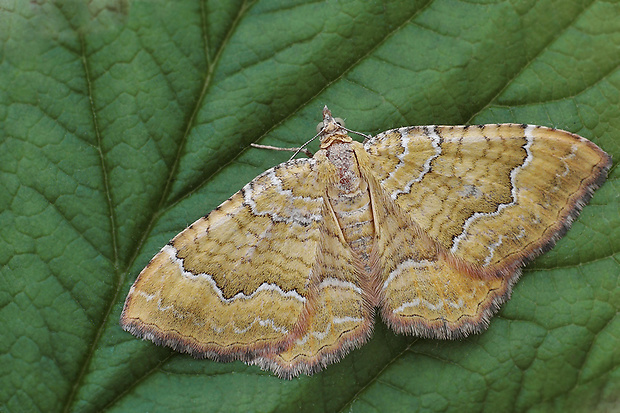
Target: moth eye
<point>339,121</point>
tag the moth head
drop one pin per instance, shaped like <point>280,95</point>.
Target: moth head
<point>330,124</point>
<point>320,125</point>
<point>332,130</point>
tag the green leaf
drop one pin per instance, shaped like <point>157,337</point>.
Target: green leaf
<point>124,121</point>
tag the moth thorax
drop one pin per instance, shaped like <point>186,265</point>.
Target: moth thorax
<point>341,155</point>
<point>350,199</point>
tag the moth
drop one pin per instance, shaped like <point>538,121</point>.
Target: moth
<point>428,225</point>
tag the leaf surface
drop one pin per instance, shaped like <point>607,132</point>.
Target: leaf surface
<point>124,121</point>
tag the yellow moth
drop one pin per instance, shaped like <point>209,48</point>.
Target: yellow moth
<point>428,225</point>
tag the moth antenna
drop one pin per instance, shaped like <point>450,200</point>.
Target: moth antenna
<point>366,137</point>
<point>302,147</point>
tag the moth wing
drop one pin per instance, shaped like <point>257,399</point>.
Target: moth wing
<point>342,316</point>
<point>461,209</point>
<point>494,196</point>
<point>234,283</point>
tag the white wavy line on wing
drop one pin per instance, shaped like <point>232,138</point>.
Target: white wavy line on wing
<point>513,175</point>
<point>429,131</point>
<point>333,282</point>
<point>297,216</point>
<point>262,321</point>
<point>171,252</point>
<point>404,266</point>
<point>320,335</point>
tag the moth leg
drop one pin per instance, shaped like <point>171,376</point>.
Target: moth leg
<point>306,151</point>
